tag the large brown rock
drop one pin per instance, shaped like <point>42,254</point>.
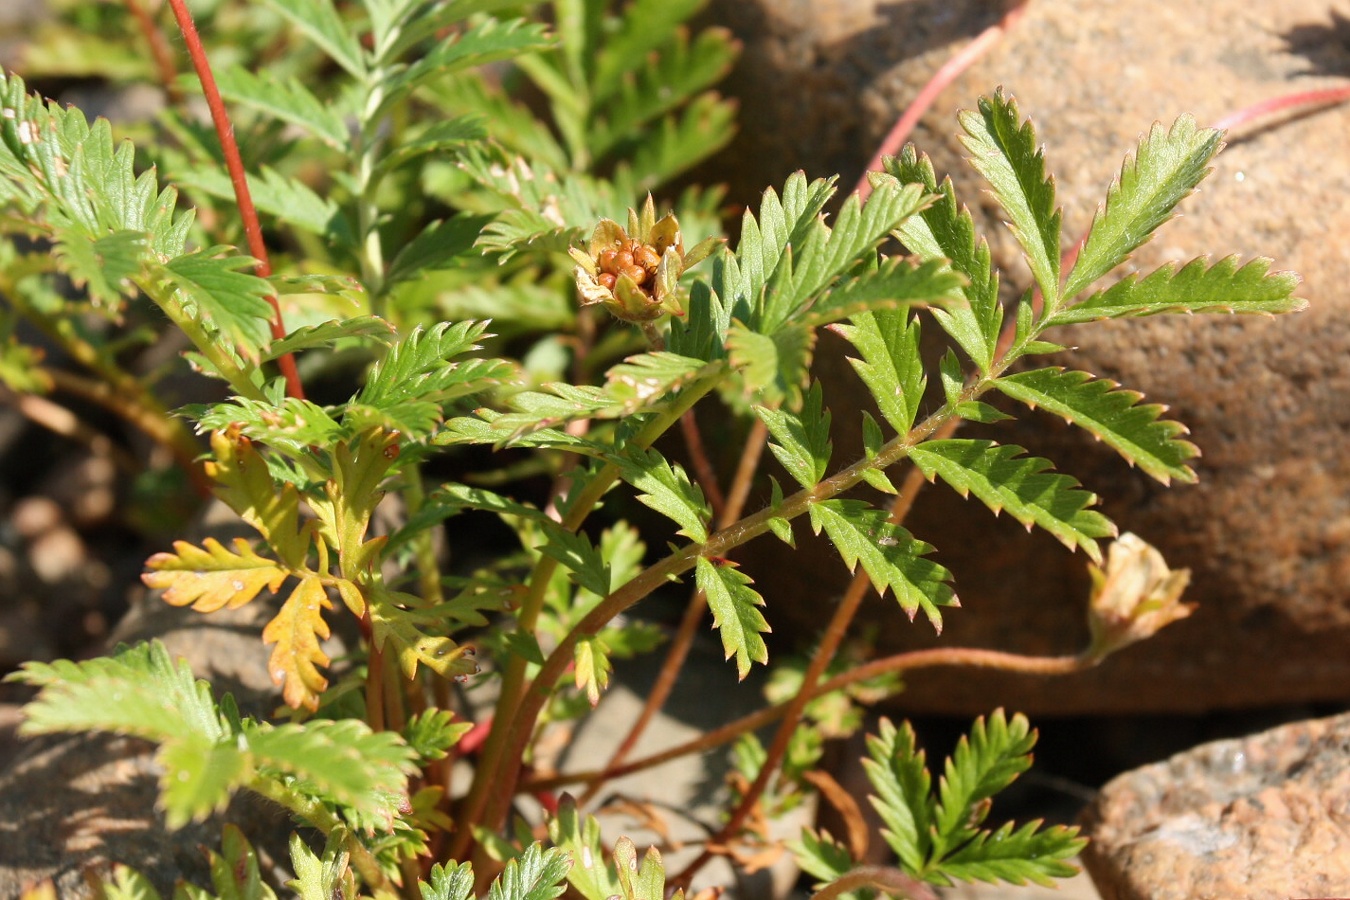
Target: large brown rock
<point>1263,818</point>
<point>1266,532</point>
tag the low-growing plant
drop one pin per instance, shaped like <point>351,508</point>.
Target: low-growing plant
<point>414,186</point>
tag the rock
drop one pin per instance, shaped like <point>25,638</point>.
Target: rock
<point>1266,532</point>
<point>1262,817</point>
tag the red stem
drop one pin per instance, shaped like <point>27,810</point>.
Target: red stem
<point>159,49</point>
<point>235,164</point>
<point>1282,103</point>
<point>963,59</point>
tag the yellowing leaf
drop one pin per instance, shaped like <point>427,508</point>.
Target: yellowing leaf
<point>212,577</point>
<point>297,630</point>
<point>388,622</point>
<point>245,485</point>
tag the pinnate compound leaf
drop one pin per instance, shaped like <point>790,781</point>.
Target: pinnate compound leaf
<point>667,489</point>
<point>537,874</point>
<point>801,439</point>
<point>890,555</point>
<point>341,760</point>
<point>452,881</point>
<point>212,577</point>
<point>584,563</point>
<point>1113,415</point>
<point>735,608</point>
<point>773,367</point>
<point>946,231</point>
<point>1003,479</point>
<point>1224,287</point>
<point>896,768</point>
<point>890,365</point>
<point>139,691</point>
<point>1165,168</point>
<point>1003,149</point>
<point>297,630</point>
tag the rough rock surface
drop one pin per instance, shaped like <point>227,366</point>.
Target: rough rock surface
<point>1266,532</point>
<point>1262,817</point>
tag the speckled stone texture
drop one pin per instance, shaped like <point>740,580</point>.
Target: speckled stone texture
<point>1260,818</point>
<point>1266,532</point>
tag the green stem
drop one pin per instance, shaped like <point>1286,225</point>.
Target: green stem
<point>318,815</point>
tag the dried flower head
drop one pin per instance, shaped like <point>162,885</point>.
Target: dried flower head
<point>1135,597</point>
<point>635,272</point>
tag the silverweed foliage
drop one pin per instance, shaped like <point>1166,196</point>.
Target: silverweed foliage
<point>409,195</point>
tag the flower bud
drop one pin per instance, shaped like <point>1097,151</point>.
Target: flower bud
<point>1134,598</point>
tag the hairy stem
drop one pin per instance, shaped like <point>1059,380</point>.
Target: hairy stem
<point>159,49</point>
<point>314,812</point>
<point>238,179</point>
<point>893,881</point>
<point>965,657</point>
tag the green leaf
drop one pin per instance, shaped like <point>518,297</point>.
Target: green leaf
<point>896,769</point>
<point>481,43</point>
<point>234,871</point>
<point>453,881</point>
<point>342,761</point>
<point>896,283</point>
<point>323,878</point>
<point>537,874</point>
<point>288,101</point>
<point>432,732</point>
<point>586,566</point>
<point>199,775</point>
<point>442,244</point>
<point>1112,415</point>
<point>104,267</point>
<point>591,873</point>
<point>667,489</point>
<point>320,22</point>
<point>944,231</point>
<point>821,857</point>
<point>984,763</point>
<point>890,365</point>
<point>396,631</point>
<point>681,141</point>
<point>408,388</point>
<point>890,555</point>
<point>773,367</point>
<point>1031,853</point>
<point>735,608</point>
<point>1003,149</point>
<point>437,138</point>
<point>1197,287</point>
<point>801,440</point>
<point>245,483</point>
<point>128,884</point>
<point>289,199</point>
<point>216,290</point>
<point>139,691</point>
<point>646,881</point>
<point>1022,486</point>
<point>1163,171</point>
<point>325,334</point>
